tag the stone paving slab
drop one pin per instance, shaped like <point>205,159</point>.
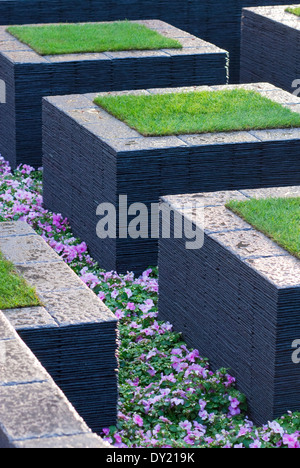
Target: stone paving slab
<point>18,228</point>
<point>91,441</point>
<point>37,410</point>
<point>21,366</point>
<point>76,306</point>
<point>50,277</point>
<point>26,250</point>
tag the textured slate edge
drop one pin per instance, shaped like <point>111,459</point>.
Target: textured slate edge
<point>99,158</point>
<point>222,27</point>
<point>264,320</point>
<point>70,309</point>
<point>29,77</point>
<point>270,46</point>
<point>75,433</point>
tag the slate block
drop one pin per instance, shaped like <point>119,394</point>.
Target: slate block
<point>219,24</point>
<point>236,299</point>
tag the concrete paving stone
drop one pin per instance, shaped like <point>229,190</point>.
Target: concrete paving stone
<point>37,410</point>
<point>27,249</point>
<point>127,54</point>
<point>144,143</point>
<point>206,139</point>
<point>50,276</point>
<point>248,243</point>
<point>75,57</point>
<point>276,135</point>
<point>186,89</point>
<point>221,219</point>
<point>21,57</point>
<point>258,87</point>
<point>7,332</point>
<point>30,318</point>
<point>16,228</point>
<point>205,199</point>
<point>283,272</point>
<point>19,365</point>
<point>71,102</point>
<point>111,128</point>
<point>75,441</point>
<point>274,192</point>
<point>76,307</point>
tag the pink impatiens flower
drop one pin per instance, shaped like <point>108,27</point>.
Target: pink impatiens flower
<point>102,295</point>
<point>291,441</point>
<point>138,420</point>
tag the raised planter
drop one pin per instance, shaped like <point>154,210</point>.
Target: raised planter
<point>270,47</point>
<point>30,76</point>
<point>236,299</point>
<point>92,158</point>
<point>34,411</point>
<point>219,23</point>
<point>74,335</point>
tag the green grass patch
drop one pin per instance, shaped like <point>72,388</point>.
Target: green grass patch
<point>91,37</point>
<point>14,291</point>
<point>277,218</point>
<point>198,112</point>
<point>294,11</point>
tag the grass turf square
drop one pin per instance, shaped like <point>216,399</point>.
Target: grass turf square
<point>199,112</point>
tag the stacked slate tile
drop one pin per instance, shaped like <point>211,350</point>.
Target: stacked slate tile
<point>270,47</point>
<point>29,77</point>
<point>218,23</point>
<point>73,334</point>
<point>91,158</point>
<point>236,299</point>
